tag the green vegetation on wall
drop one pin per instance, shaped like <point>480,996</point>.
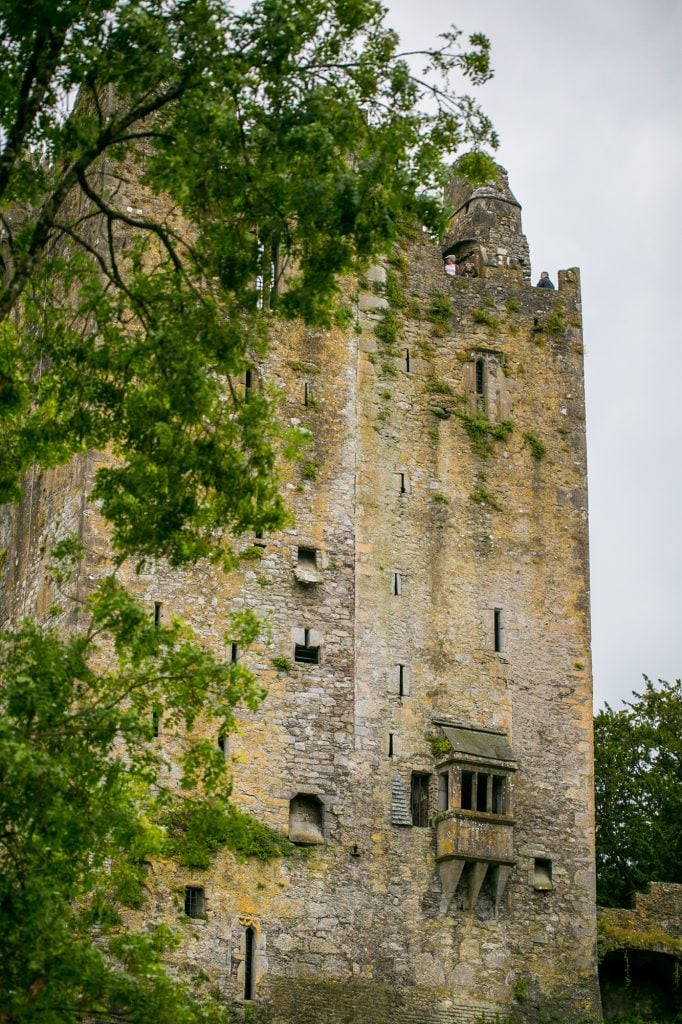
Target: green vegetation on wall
<point>482,432</point>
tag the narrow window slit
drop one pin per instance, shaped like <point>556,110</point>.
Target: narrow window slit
<point>157,614</point>
<point>403,486</point>
<point>407,360</point>
<point>391,744</point>
<point>397,584</point>
<point>480,367</point>
<point>234,652</point>
<point>401,680</point>
<point>249,962</point>
<point>498,630</point>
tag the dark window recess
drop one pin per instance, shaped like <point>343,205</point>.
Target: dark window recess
<point>234,652</point>
<point>443,791</point>
<point>420,799</point>
<point>249,962</point>
<point>157,613</point>
<point>498,630</point>
<point>397,584</point>
<point>248,382</point>
<point>498,794</point>
<point>407,360</point>
<point>306,653</point>
<point>156,721</point>
<point>222,744</point>
<point>481,792</point>
<point>308,557</point>
<point>466,802</point>
<point>401,680</point>
<point>306,393</point>
<point>484,792</point>
<point>403,485</point>
<point>480,370</point>
<point>306,819</point>
<point>542,873</point>
<point>195,901</point>
<point>259,540</point>
<point>390,744</point>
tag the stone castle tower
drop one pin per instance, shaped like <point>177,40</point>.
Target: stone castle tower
<point>427,731</point>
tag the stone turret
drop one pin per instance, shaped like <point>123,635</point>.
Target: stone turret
<point>486,229</point>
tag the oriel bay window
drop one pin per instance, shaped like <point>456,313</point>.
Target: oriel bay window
<point>474,823</point>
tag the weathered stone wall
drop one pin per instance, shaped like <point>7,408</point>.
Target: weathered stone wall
<point>396,495</point>
<point>640,955</point>
<point>653,922</point>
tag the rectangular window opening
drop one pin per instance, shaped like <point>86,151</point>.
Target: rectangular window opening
<point>403,483</point>
<point>498,631</point>
<point>443,791</point>
<point>407,360</point>
<point>306,393</point>
<point>467,796</point>
<point>306,653</point>
<point>222,745</point>
<point>249,958</point>
<point>482,792</point>
<point>420,799</point>
<point>248,382</point>
<point>542,873</point>
<point>157,614</point>
<point>480,376</point>
<point>397,584</point>
<point>307,556</point>
<point>391,744</point>
<point>234,652</point>
<point>156,722</point>
<point>259,540</point>
<point>499,794</point>
<point>401,680</point>
<point>195,901</point>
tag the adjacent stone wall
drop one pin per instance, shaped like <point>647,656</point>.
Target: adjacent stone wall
<point>653,922</point>
<point>641,955</point>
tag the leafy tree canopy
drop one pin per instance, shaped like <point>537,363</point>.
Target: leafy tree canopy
<point>296,140</point>
<point>84,796</point>
<point>638,778</point>
<point>175,175</point>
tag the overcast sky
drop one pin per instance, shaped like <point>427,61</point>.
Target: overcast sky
<point>586,99</point>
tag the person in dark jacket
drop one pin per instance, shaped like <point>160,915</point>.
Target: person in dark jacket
<point>544,281</point>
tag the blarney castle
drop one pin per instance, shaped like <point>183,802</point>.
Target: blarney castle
<point>427,734</point>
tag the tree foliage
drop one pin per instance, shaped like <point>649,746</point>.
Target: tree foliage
<point>292,136</point>
<point>175,176</point>
<point>638,779</point>
<point>85,796</point>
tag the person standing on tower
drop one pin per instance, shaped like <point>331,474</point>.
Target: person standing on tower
<point>544,281</point>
